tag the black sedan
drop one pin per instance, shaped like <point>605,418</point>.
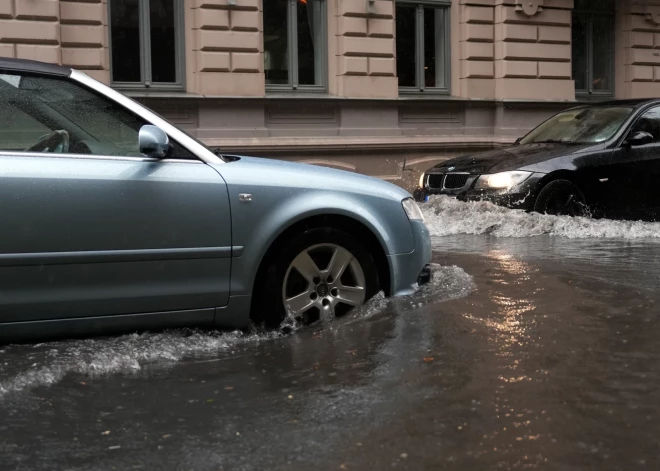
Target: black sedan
<point>600,160</point>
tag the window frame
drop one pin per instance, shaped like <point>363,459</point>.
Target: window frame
<point>419,5</point>
<point>588,16</point>
<point>292,44</point>
<point>145,51</point>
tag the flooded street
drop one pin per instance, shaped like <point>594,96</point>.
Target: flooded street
<point>537,346</point>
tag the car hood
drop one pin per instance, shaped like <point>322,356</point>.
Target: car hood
<point>273,172</point>
<point>517,157</point>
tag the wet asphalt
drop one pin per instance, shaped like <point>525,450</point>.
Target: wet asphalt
<point>531,353</point>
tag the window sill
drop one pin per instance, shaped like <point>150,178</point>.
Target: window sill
<point>155,93</point>
<point>584,97</point>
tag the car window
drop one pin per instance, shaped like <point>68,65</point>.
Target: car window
<point>18,130</point>
<point>57,115</point>
<point>649,122</point>
<point>580,126</point>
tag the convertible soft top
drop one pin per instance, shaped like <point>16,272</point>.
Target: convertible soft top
<point>24,65</point>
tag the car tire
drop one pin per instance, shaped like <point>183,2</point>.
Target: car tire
<point>286,290</point>
<point>561,198</point>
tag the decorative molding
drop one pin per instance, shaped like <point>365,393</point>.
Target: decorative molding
<point>416,115</point>
<point>652,13</point>
<point>307,116</point>
<point>529,7</point>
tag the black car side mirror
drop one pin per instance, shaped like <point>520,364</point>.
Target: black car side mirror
<point>639,139</point>
<point>518,140</point>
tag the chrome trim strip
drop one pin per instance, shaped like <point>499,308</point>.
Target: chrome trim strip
<point>110,256</point>
<point>444,180</point>
<point>199,150</point>
<point>57,155</point>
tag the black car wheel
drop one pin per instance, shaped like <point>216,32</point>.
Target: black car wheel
<point>321,274</point>
<point>561,198</point>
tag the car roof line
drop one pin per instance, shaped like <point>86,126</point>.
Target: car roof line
<point>29,66</point>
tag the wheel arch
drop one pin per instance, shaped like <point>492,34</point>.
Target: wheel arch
<point>562,174</point>
<point>351,225</point>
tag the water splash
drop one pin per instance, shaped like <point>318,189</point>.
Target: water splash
<point>447,216</point>
<point>47,363</point>
<point>25,367</point>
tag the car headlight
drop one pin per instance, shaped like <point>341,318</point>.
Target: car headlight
<point>422,180</point>
<point>412,210</point>
<point>502,180</point>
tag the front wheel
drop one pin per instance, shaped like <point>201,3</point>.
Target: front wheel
<point>561,198</point>
<point>321,274</point>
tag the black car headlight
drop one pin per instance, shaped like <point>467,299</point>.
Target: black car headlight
<point>502,180</point>
<point>422,180</point>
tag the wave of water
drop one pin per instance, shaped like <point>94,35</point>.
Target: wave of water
<point>47,363</point>
<point>447,216</point>
<point>25,367</point>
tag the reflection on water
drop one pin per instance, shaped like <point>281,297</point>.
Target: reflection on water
<point>632,263</point>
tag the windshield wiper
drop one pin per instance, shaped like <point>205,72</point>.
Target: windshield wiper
<point>553,141</point>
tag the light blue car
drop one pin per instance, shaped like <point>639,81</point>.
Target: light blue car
<point>114,220</point>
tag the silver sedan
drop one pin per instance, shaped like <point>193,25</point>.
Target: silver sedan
<point>114,220</point>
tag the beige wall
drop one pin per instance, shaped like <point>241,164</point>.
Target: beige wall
<point>501,49</point>
<point>510,68</point>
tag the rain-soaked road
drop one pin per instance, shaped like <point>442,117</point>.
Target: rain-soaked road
<point>537,347</point>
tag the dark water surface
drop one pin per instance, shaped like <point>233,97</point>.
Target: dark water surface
<point>536,352</point>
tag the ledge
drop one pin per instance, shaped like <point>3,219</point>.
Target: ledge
<point>155,95</point>
<point>351,144</point>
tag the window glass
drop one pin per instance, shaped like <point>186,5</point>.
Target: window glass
<point>125,37</point>
<point>18,130</point>
<point>276,46</point>
<point>579,64</point>
<point>405,45</point>
<point>56,115</point>
<point>294,43</point>
<point>602,53</point>
<point>592,47</point>
<point>309,42</point>
<point>145,43</point>
<point>580,126</point>
<point>163,40</point>
<point>420,46</point>
<point>650,123</point>
<point>591,5</point>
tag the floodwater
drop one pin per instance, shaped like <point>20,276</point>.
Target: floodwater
<point>537,346</point>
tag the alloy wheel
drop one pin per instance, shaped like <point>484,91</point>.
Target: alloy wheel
<point>323,281</point>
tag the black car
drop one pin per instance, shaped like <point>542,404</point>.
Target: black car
<point>600,160</point>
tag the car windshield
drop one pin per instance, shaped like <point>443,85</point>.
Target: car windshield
<point>580,126</point>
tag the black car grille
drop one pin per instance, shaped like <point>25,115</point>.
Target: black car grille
<point>435,181</point>
<point>454,181</point>
<point>450,181</point>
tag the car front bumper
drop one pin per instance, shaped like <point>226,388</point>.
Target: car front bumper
<point>410,269</point>
<point>520,197</point>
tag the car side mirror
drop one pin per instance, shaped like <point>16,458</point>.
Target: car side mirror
<point>518,140</point>
<point>153,142</point>
<point>639,139</point>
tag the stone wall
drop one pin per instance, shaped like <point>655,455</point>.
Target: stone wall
<point>227,48</point>
<point>508,52</point>
<point>638,50</point>
<point>365,48</point>
<point>61,32</point>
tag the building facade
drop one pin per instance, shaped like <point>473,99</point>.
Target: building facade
<point>382,87</point>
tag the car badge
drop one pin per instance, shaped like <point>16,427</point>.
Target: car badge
<point>450,169</point>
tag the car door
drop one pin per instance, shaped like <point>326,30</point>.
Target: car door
<point>635,171</point>
<point>90,227</point>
